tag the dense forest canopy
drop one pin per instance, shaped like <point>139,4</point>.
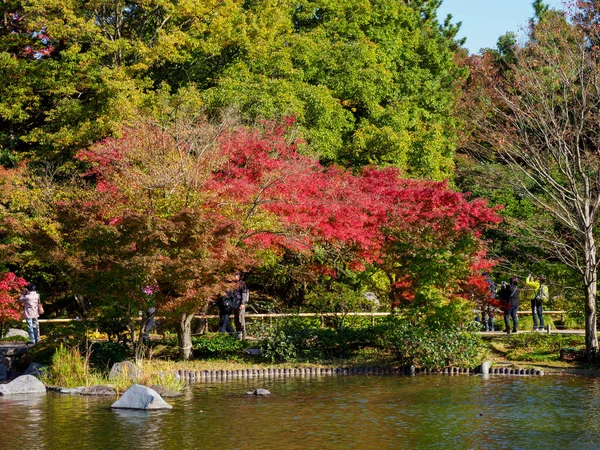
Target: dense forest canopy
<point>369,82</point>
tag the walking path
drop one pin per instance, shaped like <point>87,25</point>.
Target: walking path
<point>556,331</point>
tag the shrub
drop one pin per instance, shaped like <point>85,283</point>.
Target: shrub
<point>300,339</point>
<point>217,345</point>
<point>280,347</point>
<point>432,343</point>
<point>337,298</point>
<point>574,323</point>
<point>435,348</point>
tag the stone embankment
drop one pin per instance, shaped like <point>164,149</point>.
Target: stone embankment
<point>203,376</point>
<point>9,355</point>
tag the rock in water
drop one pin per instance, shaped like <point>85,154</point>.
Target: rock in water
<point>25,384</point>
<point>164,392</point>
<point>258,392</point>
<point>141,397</point>
<point>98,389</point>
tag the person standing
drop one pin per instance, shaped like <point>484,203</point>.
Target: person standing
<point>540,290</point>
<point>234,300</point>
<point>31,302</point>
<point>488,308</point>
<point>510,293</point>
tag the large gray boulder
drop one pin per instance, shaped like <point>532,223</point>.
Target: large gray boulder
<point>15,332</point>
<point>141,397</point>
<point>25,384</point>
<point>125,367</point>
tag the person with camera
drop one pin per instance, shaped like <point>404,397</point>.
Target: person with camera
<point>31,303</point>
<point>540,296</point>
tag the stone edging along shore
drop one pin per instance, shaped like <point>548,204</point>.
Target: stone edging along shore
<point>203,376</point>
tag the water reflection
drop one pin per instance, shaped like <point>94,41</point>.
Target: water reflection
<point>333,412</point>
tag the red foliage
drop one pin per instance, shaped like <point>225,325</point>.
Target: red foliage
<point>10,288</point>
<point>401,225</point>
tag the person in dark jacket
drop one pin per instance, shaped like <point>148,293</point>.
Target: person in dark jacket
<point>234,301</point>
<point>488,308</point>
<point>510,295</point>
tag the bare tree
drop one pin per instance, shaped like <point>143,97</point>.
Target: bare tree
<point>541,119</point>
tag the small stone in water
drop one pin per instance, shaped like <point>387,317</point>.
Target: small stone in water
<point>258,392</point>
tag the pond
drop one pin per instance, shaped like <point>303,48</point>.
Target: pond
<point>426,411</point>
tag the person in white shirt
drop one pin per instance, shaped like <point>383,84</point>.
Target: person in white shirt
<point>31,301</point>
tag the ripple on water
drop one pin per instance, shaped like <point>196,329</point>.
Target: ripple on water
<point>328,412</point>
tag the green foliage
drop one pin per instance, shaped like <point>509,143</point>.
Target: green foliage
<point>370,82</point>
<point>15,339</point>
<point>337,298</point>
<point>69,334</point>
<point>540,346</point>
<point>526,322</point>
<point>280,347</point>
<point>218,345</point>
<point>70,369</point>
<point>574,322</point>
<point>298,339</point>
<point>434,340</point>
<point>105,354</point>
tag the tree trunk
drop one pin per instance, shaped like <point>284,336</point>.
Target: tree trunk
<point>184,335</point>
<point>139,344</point>
<point>202,324</point>
<point>590,279</point>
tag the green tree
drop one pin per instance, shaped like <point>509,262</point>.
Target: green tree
<point>73,72</point>
<point>539,120</point>
<point>370,82</point>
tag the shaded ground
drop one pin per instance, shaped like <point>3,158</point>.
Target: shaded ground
<point>500,347</point>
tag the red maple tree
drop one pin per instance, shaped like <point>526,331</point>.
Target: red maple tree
<point>10,310</point>
<point>185,205</point>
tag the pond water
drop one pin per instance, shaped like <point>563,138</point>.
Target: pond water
<point>434,411</point>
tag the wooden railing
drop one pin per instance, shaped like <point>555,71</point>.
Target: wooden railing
<point>325,314</point>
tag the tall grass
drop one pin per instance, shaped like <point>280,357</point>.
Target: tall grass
<point>70,369</point>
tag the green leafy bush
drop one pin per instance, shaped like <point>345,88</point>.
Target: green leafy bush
<point>434,347</point>
<point>300,339</point>
<point>217,345</point>
<point>280,347</point>
<point>435,336</point>
<point>15,339</point>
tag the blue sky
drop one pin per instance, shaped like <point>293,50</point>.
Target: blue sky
<point>483,21</point>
